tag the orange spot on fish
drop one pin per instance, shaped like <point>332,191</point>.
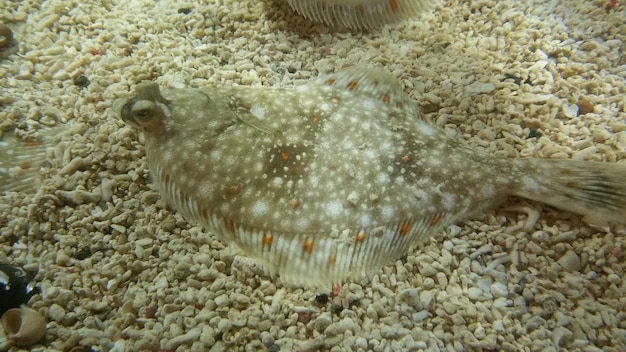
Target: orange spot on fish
<point>284,156</point>
<point>308,246</point>
<point>294,203</point>
<point>393,5</point>
<point>26,165</point>
<point>360,236</point>
<point>352,85</point>
<point>330,82</point>
<point>435,220</point>
<point>399,105</point>
<point>267,239</point>
<point>294,171</point>
<point>332,260</point>
<point>386,98</point>
<point>229,225</point>
<point>204,212</point>
<point>314,118</point>
<point>404,229</point>
<point>232,189</point>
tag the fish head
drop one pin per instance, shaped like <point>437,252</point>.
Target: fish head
<point>147,110</point>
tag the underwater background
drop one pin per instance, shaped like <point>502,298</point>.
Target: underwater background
<point>119,270</point>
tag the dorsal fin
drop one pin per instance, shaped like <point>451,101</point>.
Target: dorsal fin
<point>360,13</point>
<point>374,83</point>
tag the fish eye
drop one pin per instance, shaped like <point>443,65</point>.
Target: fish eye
<point>143,110</point>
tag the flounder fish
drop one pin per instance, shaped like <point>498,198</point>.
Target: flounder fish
<point>334,178</point>
<point>360,14</point>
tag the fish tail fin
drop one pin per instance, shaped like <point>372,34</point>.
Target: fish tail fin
<point>596,190</point>
<point>21,160</point>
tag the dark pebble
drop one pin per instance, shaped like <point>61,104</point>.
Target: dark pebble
<point>321,298</point>
<point>533,134</point>
<point>83,254</point>
<point>81,81</point>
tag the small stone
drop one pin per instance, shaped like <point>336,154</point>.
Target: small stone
<point>322,322</point>
<point>499,289</point>
<point>498,326</point>
<point>360,342</point>
<point>63,259</point>
<point>570,261</point>
<point>82,253</point>
<point>411,297</point>
<point>99,307</point>
<point>562,319</point>
<point>614,279</point>
<point>185,339</point>
<point>207,337</point>
<point>584,107</point>
<point>322,299</point>
<point>561,334</point>
<point>266,338</point>
<point>161,282</point>
<point>25,71</point>
<point>474,293</point>
<point>224,325</point>
<point>107,187</point>
<point>222,300</point>
<point>56,312</point>
<point>570,110</point>
<point>480,333</point>
<point>480,87</point>
<point>81,81</point>
<point>240,299</point>
<point>339,327</point>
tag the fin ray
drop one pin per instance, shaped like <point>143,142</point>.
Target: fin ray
<point>594,189</point>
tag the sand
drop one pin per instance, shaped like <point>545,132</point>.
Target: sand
<point>120,271</point>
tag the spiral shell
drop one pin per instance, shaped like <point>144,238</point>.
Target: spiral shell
<point>23,326</point>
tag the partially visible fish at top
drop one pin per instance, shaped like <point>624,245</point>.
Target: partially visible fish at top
<point>337,177</point>
<point>360,14</point>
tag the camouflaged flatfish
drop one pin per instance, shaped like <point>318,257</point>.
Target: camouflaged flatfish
<point>337,177</point>
<point>360,13</point>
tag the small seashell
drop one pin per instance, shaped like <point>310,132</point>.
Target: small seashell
<point>23,326</point>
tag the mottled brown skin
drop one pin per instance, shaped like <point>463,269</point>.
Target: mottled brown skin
<point>337,177</point>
